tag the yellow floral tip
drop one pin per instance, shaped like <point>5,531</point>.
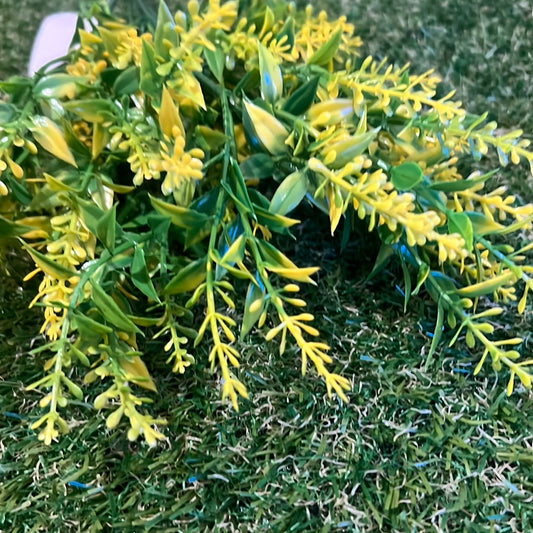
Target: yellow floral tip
<point>297,274</point>
<point>4,191</point>
<point>337,384</point>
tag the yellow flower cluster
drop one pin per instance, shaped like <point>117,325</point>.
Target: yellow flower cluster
<point>318,30</point>
<point>180,166</point>
<point>377,89</point>
<point>492,203</point>
<point>310,34</point>
<point>89,70</point>
<point>124,44</point>
<point>7,142</point>
<point>69,245</point>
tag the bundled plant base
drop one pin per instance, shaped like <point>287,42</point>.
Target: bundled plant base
<point>136,177</point>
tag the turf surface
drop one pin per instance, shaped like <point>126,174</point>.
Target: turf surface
<point>412,451</point>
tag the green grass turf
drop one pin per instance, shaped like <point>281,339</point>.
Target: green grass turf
<point>412,451</point>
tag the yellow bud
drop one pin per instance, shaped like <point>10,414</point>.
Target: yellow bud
<point>114,418</point>
<point>100,401</point>
<point>291,287</point>
<point>255,305</point>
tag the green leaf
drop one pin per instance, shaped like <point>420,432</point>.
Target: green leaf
<point>239,191</point>
<point>82,358</point>
<point>140,276</point>
<point>215,61</point>
<point>461,223</point>
<point>270,73</point>
<point>253,307</point>
<point>445,284</point>
<point>290,193</point>
<point>348,149</point>
<point>257,166</point>
<point>92,110</point>
<point>487,286</point>
<point>461,185</point>
<point>7,112</point>
<point>72,387</point>
<point>407,283</point>
<point>47,265</point>
<point>209,139</point>
<point>406,176</point>
<point>16,86</point>
<point>149,79</point>
<point>274,221</point>
<point>482,224</point>
<point>10,229</point>
<point>19,191</point>
<point>197,233</point>
<point>327,51</point>
<point>437,334</point>
<point>386,251</point>
<point>164,29</point>
<point>423,273</point>
<point>110,309</point>
<point>188,278</point>
<point>235,251</point>
<point>106,226</point>
<point>302,98</point>
<point>264,131</point>
<point>89,328</point>
<point>180,216</point>
<point>127,82</point>
<point>100,223</point>
<point>287,30</point>
<point>90,213</point>
<point>58,86</point>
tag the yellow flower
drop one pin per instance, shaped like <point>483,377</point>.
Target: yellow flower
<point>317,31</point>
<point>130,48</point>
<point>181,166</point>
<point>90,70</point>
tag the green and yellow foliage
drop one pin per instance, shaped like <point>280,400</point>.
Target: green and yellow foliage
<point>146,176</point>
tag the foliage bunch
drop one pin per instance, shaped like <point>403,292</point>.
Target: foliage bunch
<point>146,176</point>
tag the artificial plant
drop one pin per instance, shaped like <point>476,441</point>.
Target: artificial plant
<point>146,175</point>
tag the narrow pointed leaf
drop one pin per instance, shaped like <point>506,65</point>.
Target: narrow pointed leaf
<point>257,166</point>
<point>271,78</point>
<point>436,334</point>
<point>302,98</point>
<point>263,129</point>
<point>110,309</point>
<point>327,51</point>
<point>89,327</point>
<point>179,216</point>
<point>215,61</point>
<point>140,276</point>
<point>461,223</point>
<point>47,265</point>
<point>188,278</point>
<point>289,194</point>
<point>253,307</point>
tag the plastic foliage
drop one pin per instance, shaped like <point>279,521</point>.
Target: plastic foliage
<point>146,176</point>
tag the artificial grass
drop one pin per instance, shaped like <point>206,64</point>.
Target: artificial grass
<point>414,450</point>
